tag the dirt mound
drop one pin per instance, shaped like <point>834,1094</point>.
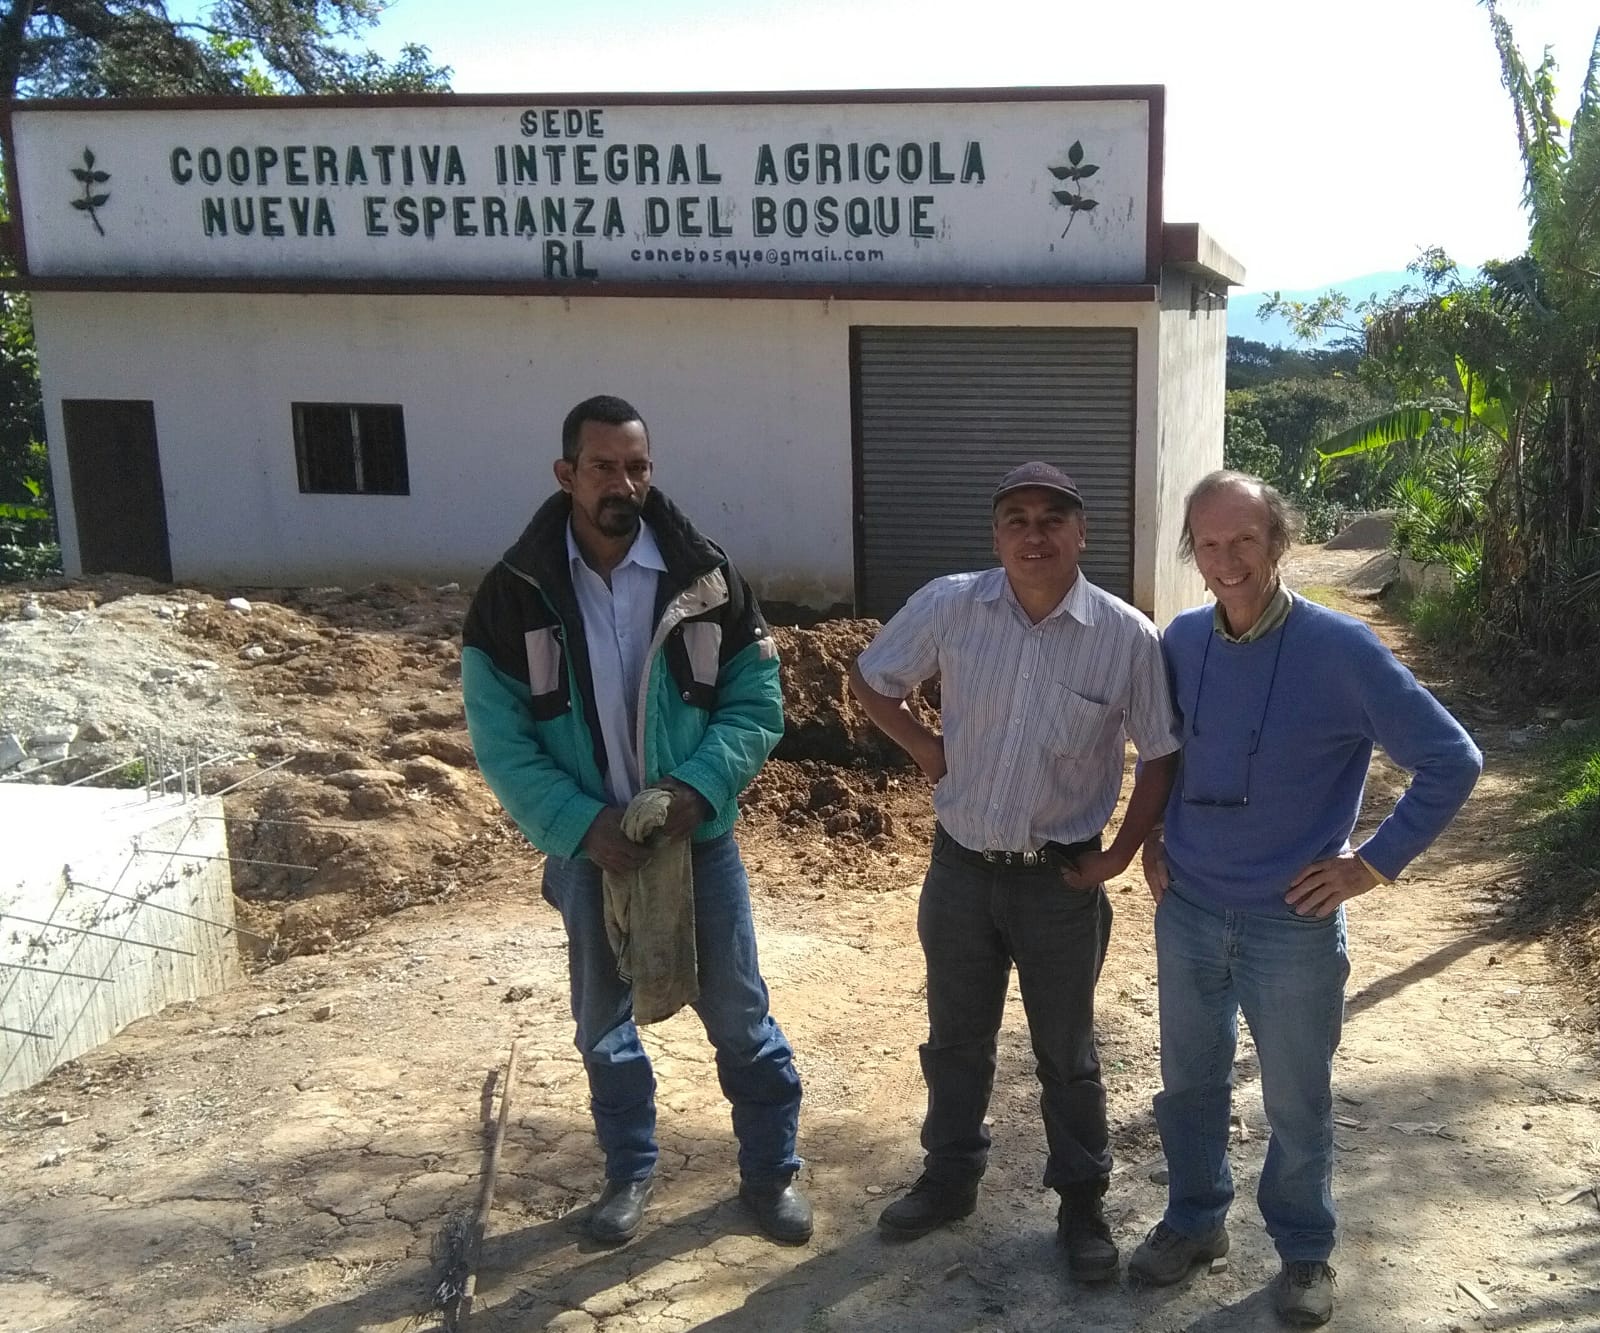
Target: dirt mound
<point>822,720</point>
<point>852,805</point>
<point>354,787</point>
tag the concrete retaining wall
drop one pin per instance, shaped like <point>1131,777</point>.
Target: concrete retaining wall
<point>65,849</point>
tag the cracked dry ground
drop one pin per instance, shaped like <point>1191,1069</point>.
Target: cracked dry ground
<point>242,1164</point>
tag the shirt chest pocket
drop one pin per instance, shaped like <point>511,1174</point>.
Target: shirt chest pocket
<point>1076,724</point>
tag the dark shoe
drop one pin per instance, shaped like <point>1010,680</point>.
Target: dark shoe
<point>781,1210</point>
<point>617,1216</point>
<point>1082,1228</point>
<point>1166,1257</point>
<point>1303,1293</point>
<point>929,1205</point>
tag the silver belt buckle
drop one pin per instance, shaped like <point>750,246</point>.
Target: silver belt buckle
<point>1013,858</point>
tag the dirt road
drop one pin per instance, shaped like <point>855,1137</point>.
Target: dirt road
<point>282,1156</point>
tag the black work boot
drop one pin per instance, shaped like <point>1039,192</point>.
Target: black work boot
<point>927,1206</point>
<point>617,1216</point>
<point>781,1210</point>
<point>1082,1230</point>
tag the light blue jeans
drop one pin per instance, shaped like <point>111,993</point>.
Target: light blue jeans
<point>754,1063</point>
<point>1287,975</point>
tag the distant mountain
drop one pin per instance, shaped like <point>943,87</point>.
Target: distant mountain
<point>1242,307</point>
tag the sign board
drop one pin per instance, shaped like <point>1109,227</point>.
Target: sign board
<point>982,189</point>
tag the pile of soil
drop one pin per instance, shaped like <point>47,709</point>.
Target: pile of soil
<point>356,792</point>
<point>821,718</point>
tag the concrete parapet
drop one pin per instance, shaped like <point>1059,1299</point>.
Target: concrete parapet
<point>110,909</point>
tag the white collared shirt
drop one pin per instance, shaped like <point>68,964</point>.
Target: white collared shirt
<point>1035,717</point>
<point>617,624</point>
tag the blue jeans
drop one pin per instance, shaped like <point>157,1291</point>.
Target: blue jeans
<point>1287,974</point>
<point>754,1063</point>
<point>974,923</point>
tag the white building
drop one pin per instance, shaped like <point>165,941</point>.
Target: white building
<point>330,340</point>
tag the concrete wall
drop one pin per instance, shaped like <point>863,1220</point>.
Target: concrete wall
<point>1192,358</point>
<point>748,403</point>
<point>117,841</point>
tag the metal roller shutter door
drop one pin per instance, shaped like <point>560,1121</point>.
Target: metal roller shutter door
<point>941,414</point>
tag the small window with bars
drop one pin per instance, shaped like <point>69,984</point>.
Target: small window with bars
<point>351,449</point>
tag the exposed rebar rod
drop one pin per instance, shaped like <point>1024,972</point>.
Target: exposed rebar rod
<point>90,777</point>
<point>25,1032</point>
<point>56,972</point>
<point>258,774</point>
<point>286,823</point>
<point>162,907</point>
<point>95,934</point>
<point>234,860</point>
<point>18,775</point>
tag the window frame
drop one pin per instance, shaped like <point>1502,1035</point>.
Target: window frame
<point>362,427</point>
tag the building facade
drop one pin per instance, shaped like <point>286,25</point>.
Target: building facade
<point>312,341</point>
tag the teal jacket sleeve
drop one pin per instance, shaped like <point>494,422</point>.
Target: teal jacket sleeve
<point>747,719</point>
<point>551,809</point>
<point>745,725</point>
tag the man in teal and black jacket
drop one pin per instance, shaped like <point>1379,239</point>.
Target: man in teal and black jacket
<point>615,648</point>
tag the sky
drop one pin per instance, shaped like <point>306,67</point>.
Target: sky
<point>1315,142</point>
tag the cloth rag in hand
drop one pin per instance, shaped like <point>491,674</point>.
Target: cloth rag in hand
<point>650,914</point>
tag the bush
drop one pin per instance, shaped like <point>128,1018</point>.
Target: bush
<point>1572,790</point>
<point>1319,517</point>
<point>1444,619</point>
<point>19,563</point>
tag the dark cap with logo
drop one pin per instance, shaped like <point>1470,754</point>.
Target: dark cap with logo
<point>1043,475</point>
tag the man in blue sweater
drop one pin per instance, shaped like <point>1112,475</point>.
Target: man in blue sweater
<point>1281,702</point>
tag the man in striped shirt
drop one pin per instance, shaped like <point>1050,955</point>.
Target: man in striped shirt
<point>1042,677</point>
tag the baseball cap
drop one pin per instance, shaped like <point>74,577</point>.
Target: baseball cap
<point>1037,474</point>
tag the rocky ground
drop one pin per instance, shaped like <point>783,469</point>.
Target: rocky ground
<point>286,1155</point>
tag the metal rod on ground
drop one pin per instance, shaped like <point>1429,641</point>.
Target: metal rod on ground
<point>480,1221</point>
<point>151,902</point>
<point>94,934</point>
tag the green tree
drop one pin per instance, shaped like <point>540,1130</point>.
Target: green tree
<point>135,48</point>
<point>1510,363</point>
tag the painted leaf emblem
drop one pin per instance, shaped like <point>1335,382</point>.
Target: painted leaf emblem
<point>1074,154</point>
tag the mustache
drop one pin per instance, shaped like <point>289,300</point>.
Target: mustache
<point>622,502</point>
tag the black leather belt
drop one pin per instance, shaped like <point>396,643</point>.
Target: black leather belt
<point>1053,856</point>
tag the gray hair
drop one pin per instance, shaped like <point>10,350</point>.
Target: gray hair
<point>1282,521</point>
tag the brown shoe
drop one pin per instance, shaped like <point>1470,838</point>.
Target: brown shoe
<point>1303,1293</point>
<point>1166,1256</point>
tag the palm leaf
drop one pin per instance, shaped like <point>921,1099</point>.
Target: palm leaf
<point>1405,423</point>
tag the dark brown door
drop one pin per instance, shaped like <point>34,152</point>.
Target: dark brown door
<point>117,499</point>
